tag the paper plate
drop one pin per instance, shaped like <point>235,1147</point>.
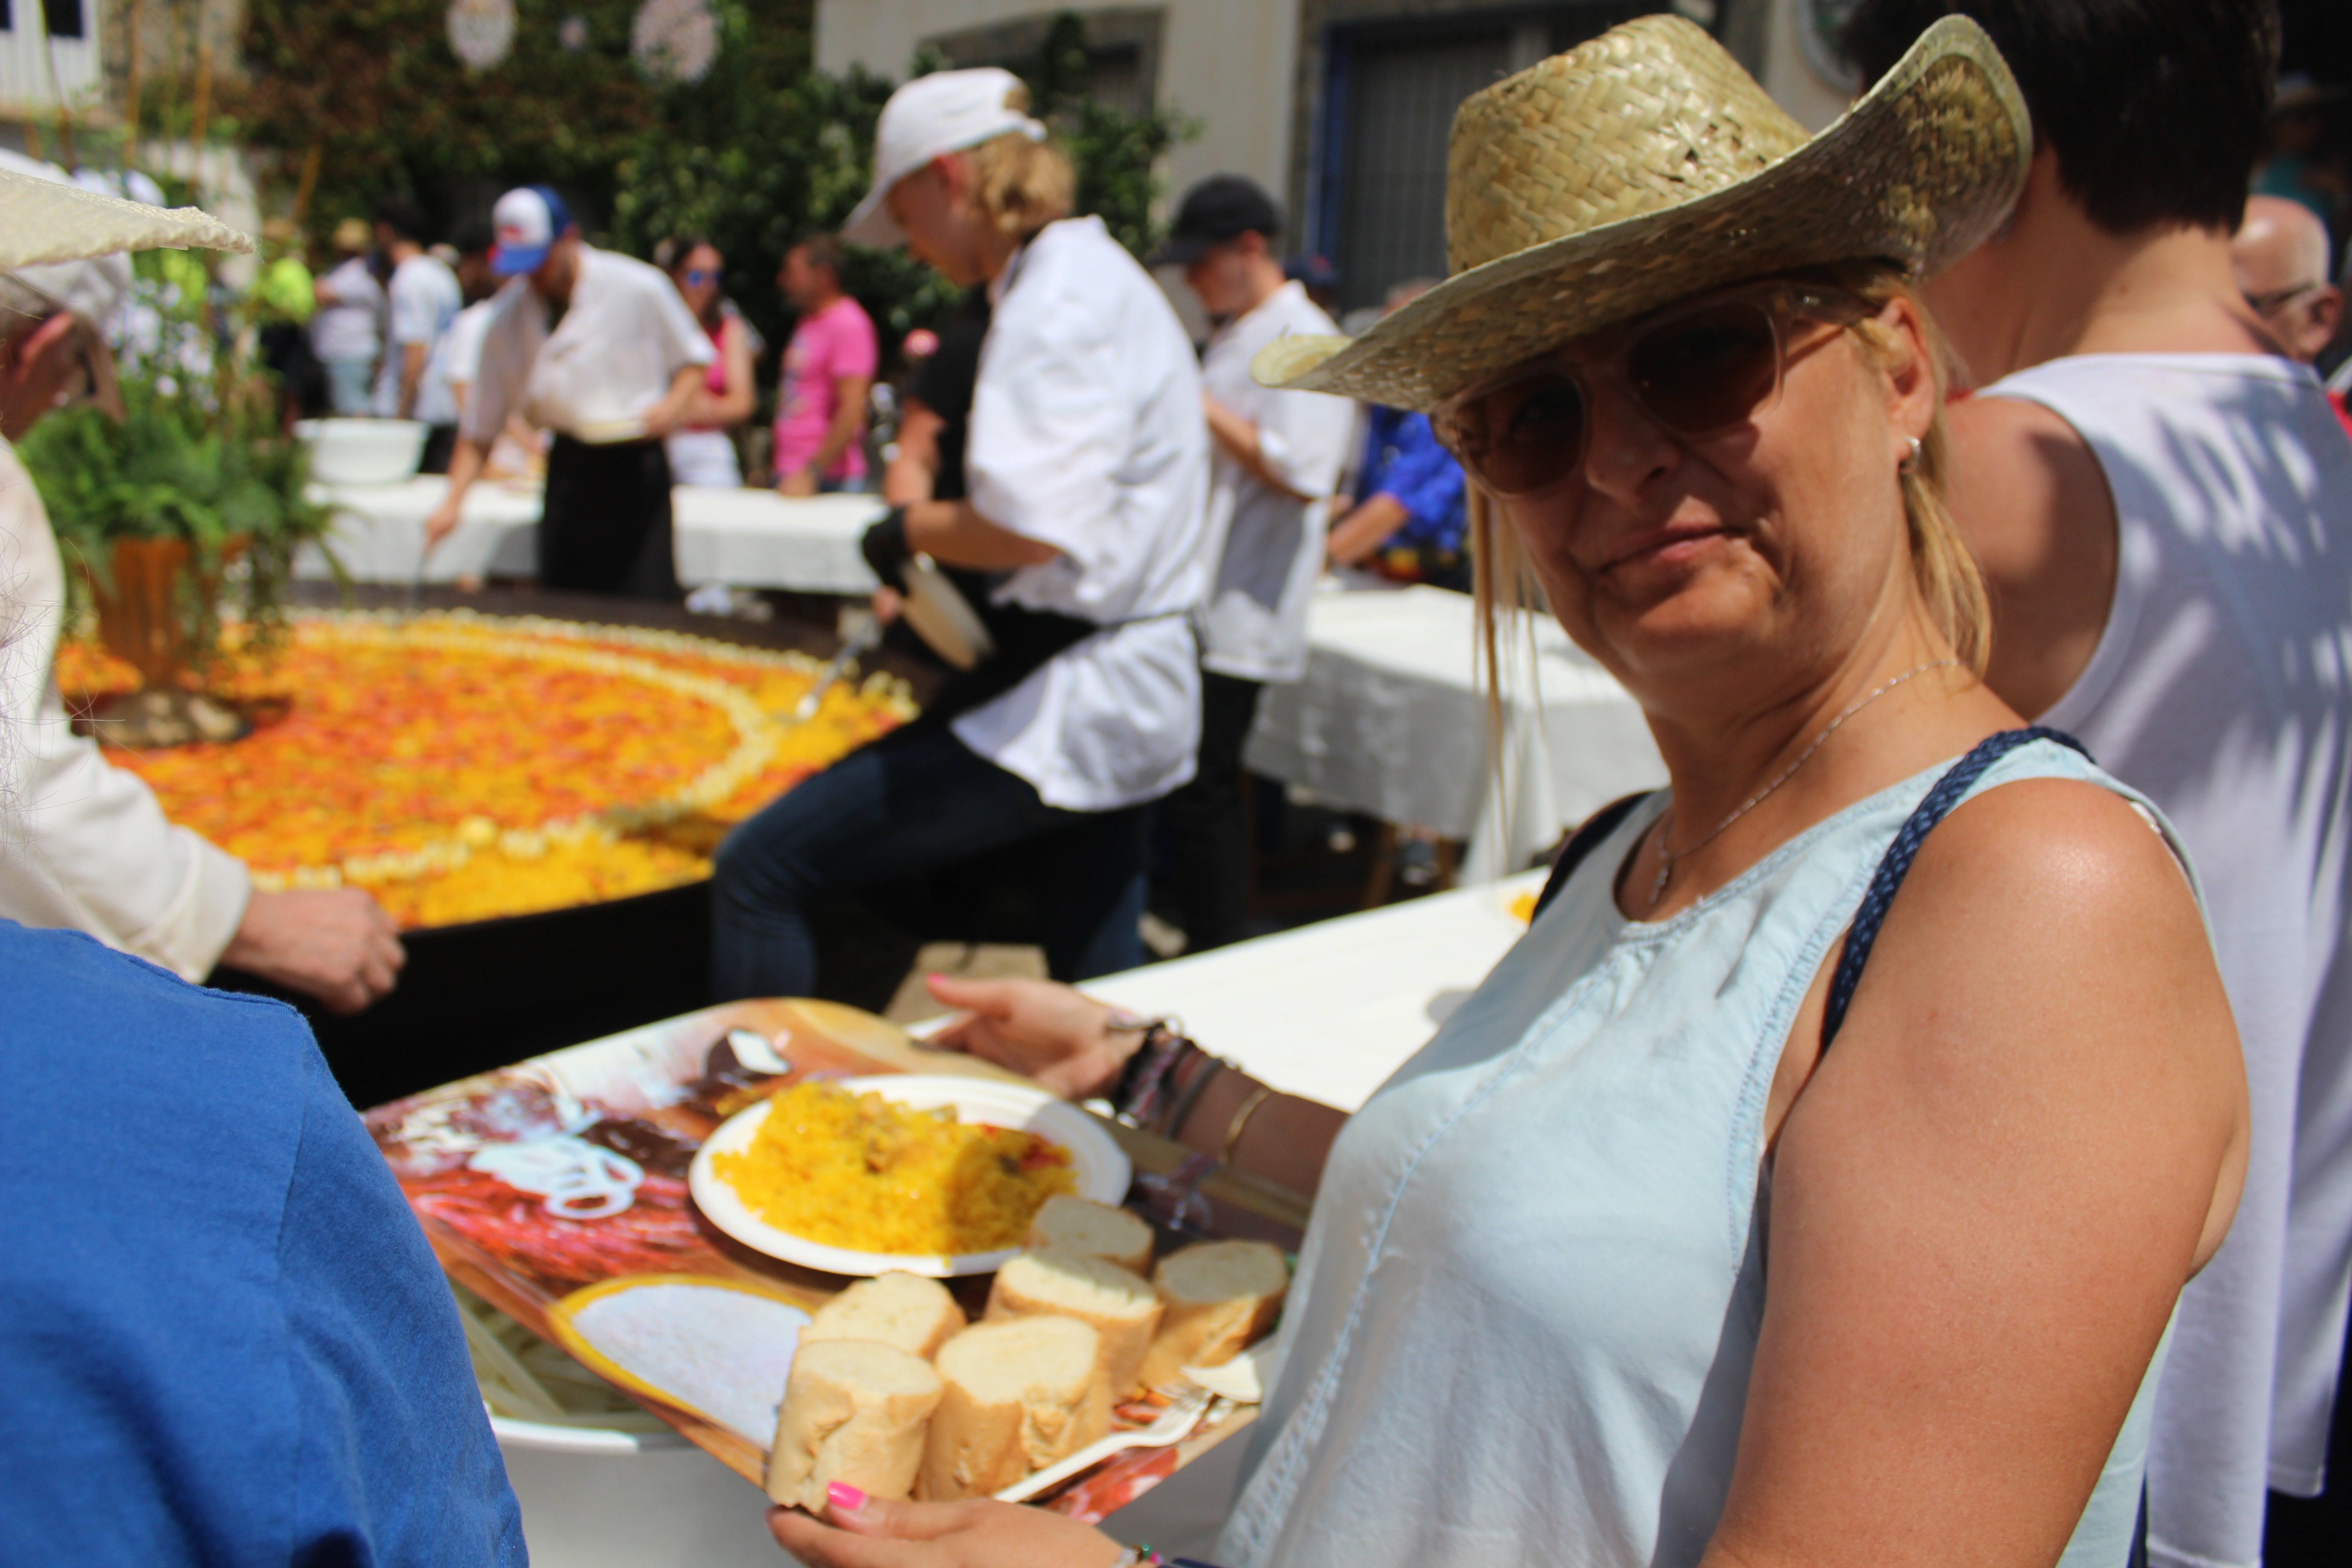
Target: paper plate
<point>720,1348</point>
<point>1100,1164</point>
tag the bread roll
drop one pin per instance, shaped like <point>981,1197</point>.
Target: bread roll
<point>915,1314</point>
<point>1215,1297</point>
<point>1020,1395</point>
<point>854,1411</point>
<point>1098,1230</point>
<point>1119,1305</point>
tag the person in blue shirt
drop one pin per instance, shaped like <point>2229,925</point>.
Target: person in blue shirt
<point>226,1338</point>
<point>1410,517</point>
<point>1413,517</point>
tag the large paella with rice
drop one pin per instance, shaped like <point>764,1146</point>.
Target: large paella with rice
<point>464,767</point>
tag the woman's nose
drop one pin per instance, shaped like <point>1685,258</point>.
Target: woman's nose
<point>1625,448</point>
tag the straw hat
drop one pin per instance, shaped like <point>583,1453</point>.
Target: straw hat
<point>1646,166</point>
<point>45,220</point>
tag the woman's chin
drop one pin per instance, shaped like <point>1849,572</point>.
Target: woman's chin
<point>1697,631</point>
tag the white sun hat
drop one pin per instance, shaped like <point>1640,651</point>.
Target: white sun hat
<point>44,221</point>
<point>946,111</point>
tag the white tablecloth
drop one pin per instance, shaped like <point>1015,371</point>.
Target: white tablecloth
<point>742,538</point>
<point>1390,721</point>
<point>1328,1011</point>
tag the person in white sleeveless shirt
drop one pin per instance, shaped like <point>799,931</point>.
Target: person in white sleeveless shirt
<point>2162,501</point>
<point>1660,1254</point>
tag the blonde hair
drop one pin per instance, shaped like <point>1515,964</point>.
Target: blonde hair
<point>1951,588</point>
<point>1020,185</point>
<point>1950,585</point>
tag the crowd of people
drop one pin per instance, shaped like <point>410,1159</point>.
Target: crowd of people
<point>1920,1133</point>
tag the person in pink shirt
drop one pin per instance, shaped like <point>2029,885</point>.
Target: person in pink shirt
<point>820,406</point>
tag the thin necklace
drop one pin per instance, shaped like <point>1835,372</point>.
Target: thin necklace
<point>1669,858</point>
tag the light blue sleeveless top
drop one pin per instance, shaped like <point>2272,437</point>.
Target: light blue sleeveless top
<point>1527,1305</point>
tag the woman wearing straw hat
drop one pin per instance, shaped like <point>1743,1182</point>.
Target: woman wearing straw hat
<point>1691,1239</point>
<point>226,1339</point>
<point>85,844</point>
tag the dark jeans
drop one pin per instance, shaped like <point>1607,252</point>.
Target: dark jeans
<point>915,801</point>
<point>606,526</point>
<point>1207,827</point>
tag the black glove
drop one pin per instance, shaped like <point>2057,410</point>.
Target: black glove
<point>884,545</point>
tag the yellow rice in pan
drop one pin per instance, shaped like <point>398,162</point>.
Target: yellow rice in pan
<point>858,1170</point>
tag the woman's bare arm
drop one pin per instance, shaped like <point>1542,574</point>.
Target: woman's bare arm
<point>1987,1196</point>
<point>1066,1041</point>
<point>731,407</point>
<point>913,473</point>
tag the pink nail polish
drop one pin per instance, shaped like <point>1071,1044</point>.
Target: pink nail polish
<point>845,1496</point>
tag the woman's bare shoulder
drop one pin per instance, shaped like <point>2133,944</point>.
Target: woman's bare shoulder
<point>2048,939</point>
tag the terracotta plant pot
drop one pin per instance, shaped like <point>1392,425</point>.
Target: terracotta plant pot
<point>138,613</point>
<point>138,618</point>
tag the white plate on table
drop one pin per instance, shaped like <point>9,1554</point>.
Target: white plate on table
<point>1100,1164</point>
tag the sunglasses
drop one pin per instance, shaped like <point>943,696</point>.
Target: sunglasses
<point>2266,305</point>
<point>695,277</point>
<point>1698,370</point>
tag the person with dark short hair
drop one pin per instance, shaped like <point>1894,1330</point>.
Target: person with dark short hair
<point>425,298</point>
<point>598,347</point>
<point>2158,492</point>
<point>828,370</point>
<point>1274,460</point>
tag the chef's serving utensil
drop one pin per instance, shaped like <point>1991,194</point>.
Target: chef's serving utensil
<point>862,635</point>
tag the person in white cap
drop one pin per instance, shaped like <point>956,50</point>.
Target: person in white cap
<point>84,845</point>
<point>596,347</point>
<point>1087,469</point>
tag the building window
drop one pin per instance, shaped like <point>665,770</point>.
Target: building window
<point>1391,90</point>
<point>62,18</point>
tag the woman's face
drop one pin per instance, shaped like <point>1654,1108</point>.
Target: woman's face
<point>1703,570</point>
<point>927,205</point>
<point>697,278</point>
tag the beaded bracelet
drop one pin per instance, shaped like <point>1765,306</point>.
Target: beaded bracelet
<point>1143,1082</point>
<point>1174,1128</point>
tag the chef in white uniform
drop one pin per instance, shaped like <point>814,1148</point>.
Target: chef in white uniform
<point>598,347</point>
<point>1088,469</point>
<point>1278,456</point>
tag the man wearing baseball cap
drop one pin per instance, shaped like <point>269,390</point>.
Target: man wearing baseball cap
<point>598,347</point>
<point>1277,459</point>
<point>1087,469</point>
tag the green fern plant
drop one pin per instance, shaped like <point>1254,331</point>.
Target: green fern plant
<point>223,477</point>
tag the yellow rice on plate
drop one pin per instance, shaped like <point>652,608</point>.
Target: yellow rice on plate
<point>860,1171</point>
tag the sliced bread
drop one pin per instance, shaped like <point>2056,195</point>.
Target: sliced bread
<point>854,1411</point>
<point>1121,1305</point>
<point>1216,1298</point>
<point>1098,1230</point>
<point>1020,1395</point>
<point>915,1314</point>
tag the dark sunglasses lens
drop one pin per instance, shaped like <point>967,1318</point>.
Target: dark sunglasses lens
<point>1709,369</point>
<point>1521,435</point>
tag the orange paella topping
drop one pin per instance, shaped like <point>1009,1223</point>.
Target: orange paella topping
<point>464,767</point>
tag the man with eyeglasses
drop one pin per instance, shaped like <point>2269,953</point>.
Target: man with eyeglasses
<point>2280,259</point>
